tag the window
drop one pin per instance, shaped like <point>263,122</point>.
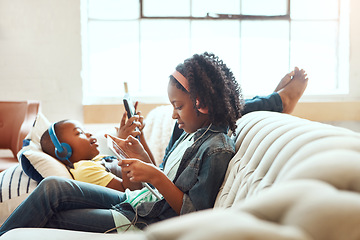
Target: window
<point>142,41</point>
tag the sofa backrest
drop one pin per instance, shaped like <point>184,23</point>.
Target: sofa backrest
<point>274,147</point>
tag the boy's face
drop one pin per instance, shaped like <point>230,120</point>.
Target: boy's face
<point>84,146</point>
<point>184,111</point>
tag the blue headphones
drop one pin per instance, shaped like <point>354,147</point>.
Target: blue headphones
<point>63,151</point>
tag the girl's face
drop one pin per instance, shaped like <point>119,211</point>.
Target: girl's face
<point>184,111</point>
<point>83,145</point>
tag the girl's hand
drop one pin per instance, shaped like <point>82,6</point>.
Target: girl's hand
<point>136,171</point>
<point>141,120</point>
<point>132,147</point>
<point>128,127</point>
<point>139,171</point>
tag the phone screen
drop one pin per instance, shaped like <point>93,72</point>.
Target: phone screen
<point>130,109</point>
<point>129,106</point>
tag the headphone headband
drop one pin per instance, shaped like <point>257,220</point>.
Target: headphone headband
<point>63,151</point>
<point>54,138</point>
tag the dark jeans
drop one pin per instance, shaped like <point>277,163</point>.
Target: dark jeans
<point>66,204</point>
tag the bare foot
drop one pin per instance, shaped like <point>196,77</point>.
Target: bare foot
<point>284,81</point>
<point>293,90</point>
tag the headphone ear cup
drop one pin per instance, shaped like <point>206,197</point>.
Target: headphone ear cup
<point>65,153</point>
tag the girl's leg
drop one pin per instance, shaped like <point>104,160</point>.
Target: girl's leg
<point>55,195</point>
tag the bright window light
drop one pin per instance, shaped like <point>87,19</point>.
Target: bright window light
<point>141,42</point>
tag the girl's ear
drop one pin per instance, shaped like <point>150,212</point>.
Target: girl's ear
<point>203,110</point>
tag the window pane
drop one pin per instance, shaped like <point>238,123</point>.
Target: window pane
<point>220,37</point>
<point>201,7</point>
<point>314,9</point>
<point>161,8</point>
<point>113,9</point>
<point>264,55</point>
<point>315,50</point>
<point>164,44</point>
<point>113,57</point>
<point>264,7</point>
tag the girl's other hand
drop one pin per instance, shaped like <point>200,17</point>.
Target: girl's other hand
<point>139,171</point>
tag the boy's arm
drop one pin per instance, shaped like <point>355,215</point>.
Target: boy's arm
<point>93,172</point>
<point>121,184</point>
<point>116,184</point>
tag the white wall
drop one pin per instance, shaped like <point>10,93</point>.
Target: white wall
<point>40,54</point>
<point>354,73</point>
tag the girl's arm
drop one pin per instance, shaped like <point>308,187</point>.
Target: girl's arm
<point>139,171</point>
<point>146,147</point>
<point>203,193</point>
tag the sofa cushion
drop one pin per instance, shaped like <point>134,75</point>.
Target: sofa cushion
<point>270,144</point>
<point>15,186</point>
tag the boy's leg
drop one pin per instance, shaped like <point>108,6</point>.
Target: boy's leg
<point>55,195</point>
<point>88,220</point>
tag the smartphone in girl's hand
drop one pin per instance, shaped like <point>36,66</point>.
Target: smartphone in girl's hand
<point>116,149</point>
<point>130,109</point>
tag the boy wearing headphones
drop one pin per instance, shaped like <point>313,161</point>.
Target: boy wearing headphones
<point>78,151</point>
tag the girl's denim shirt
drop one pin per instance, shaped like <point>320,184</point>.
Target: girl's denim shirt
<point>200,175</point>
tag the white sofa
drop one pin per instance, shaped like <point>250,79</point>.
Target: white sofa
<point>290,179</point>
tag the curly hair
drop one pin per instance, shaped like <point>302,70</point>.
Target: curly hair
<point>214,85</point>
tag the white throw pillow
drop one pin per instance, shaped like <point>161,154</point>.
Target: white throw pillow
<point>35,163</point>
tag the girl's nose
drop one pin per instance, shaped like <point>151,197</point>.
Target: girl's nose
<point>174,114</point>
